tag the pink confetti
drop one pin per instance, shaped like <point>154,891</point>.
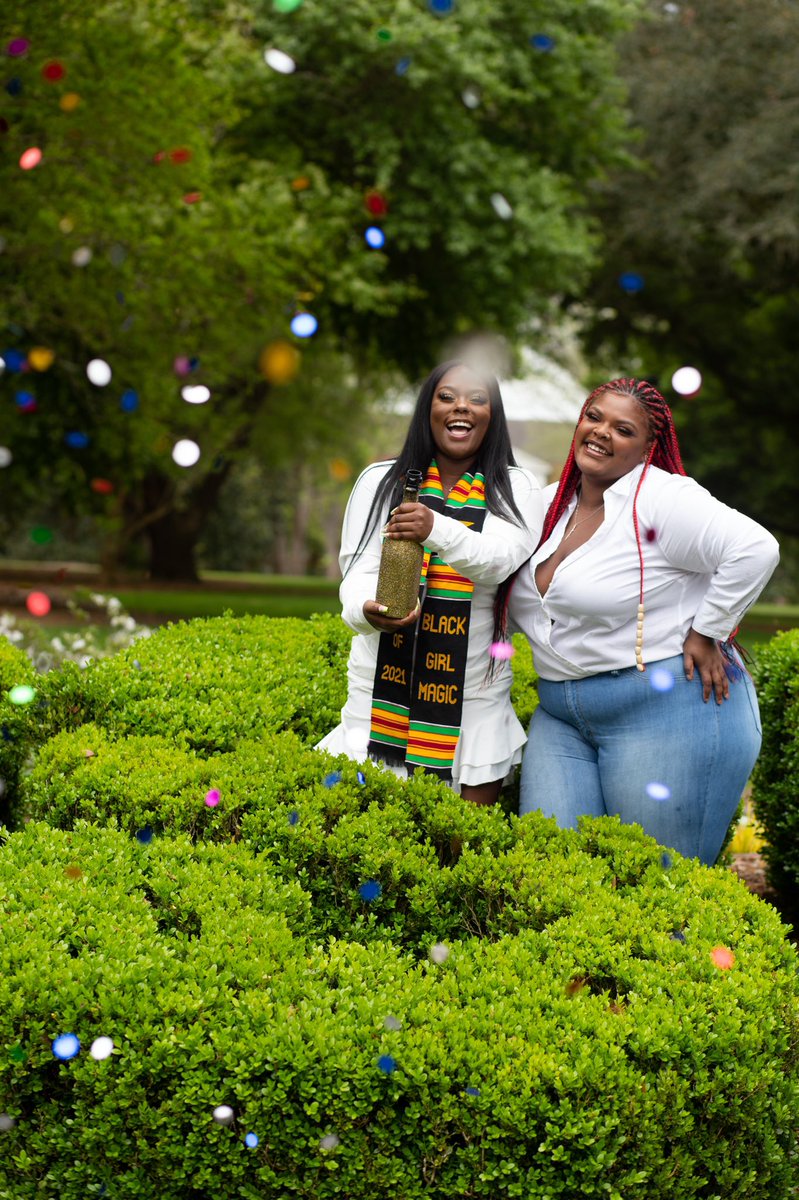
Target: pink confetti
<point>30,158</point>
<point>212,798</point>
<point>722,958</point>
<point>502,650</point>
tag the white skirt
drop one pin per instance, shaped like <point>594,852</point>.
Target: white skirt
<point>489,748</point>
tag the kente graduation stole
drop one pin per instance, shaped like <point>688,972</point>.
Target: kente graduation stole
<point>417,698</point>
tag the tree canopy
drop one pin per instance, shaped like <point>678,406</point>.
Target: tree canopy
<point>191,199</point>
<point>703,243</point>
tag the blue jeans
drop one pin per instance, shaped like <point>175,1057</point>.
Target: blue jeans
<point>612,744</point>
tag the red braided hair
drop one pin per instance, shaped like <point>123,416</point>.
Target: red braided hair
<point>664,452</point>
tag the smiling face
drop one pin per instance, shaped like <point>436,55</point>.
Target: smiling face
<point>460,414</point>
<point>612,437</point>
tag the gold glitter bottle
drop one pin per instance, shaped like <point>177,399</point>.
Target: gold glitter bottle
<point>401,563</point>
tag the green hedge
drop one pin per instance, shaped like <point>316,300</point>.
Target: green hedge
<point>775,783</point>
<point>15,722</point>
<point>587,1053</point>
<point>577,1039</point>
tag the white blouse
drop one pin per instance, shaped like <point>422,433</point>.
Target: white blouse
<point>704,565</point>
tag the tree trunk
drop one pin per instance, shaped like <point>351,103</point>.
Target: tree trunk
<point>173,541</point>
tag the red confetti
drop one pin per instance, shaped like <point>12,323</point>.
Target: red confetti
<point>376,204</point>
<point>722,958</point>
<point>30,158</point>
<point>38,604</point>
<point>651,535</point>
<point>103,487</point>
<point>53,71</point>
<point>181,155</point>
<point>159,156</point>
<point>192,197</point>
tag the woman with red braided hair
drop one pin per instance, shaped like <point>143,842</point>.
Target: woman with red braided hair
<point>630,603</point>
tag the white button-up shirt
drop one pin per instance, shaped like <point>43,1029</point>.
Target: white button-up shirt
<point>704,564</point>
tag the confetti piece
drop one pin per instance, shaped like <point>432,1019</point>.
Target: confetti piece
<point>441,7</point>
<point>341,471</point>
<point>722,958</point>
<point>631,282</point>
<point>98,372</point>
<point>66,1046</point>
<point>69,102</point>
<point>192,197</point>
<point>472,1091</point>
<point>332,779</point>
<point>144,835</point>
<point>665,861</point>
<point>129,400</point>
<point>17,47</point>
<point>14,87</point>
<point>651,535</point>
<point>76,440</point>
<point>223,1114</point>
<point>439,953</point>
<point>101,1047</point>
<point>658,791</point>
<point>686,381</point>
<point>181,154</point>
<point>279,362</point>
<point>678,936</point>
<point>329,1142</point>
<point>6,457</point>
<point>251,1140</point>
<point>375,238</point>
<point>186,452</point>
<point>40,358</point>
<point>403,66</point>
<point>38,604</point>
<point>392,1024</point>
<point>384,35</point>
<point>41,535</point>
<point>294,818</point>
<point>387,1064</point>
<point>25,401</point>
<point>300,184</point>
<point>361,778</point>
<point>103,487</point>
<point>543,42</point>
<point>22,693</point>
<point>661,680</point>
<point>370,890</point>
<point>502,650</point>
<point>196,394</point>
<point>284,64</point>
<point>471,97</point>
<point>212,798</point>
<point>14,360</point>
<point>501,206</point>
<point>376,203</point>
<point>304,325</point>
<point>82,256</point>
<point>6,1122</point>
<point>53,71</point>
<point>30,158</point>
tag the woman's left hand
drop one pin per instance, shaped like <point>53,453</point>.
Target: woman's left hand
<point>410,522</point>
<point>704,654</point>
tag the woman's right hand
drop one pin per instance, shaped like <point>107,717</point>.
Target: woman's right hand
<point>376,616</point>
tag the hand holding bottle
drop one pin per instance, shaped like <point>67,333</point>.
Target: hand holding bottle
<point>410,521</point>
<point>376,616</point>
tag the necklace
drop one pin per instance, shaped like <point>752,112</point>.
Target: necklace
<point>587,517</point>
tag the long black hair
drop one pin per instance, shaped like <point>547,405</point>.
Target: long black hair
<point>493,458</point>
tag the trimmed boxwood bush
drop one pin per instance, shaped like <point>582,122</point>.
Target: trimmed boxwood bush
<point>15,720</point>
<point>402,995</point>
<point>589,1052</point>
<point>775,783</point>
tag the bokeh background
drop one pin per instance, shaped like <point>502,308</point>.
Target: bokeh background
<point>236,235</point>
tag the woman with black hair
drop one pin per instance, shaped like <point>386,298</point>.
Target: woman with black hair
<point>630,602</point>
<point>423,690</point>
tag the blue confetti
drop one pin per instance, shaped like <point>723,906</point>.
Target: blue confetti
<point>665,861</point>
<point>129,400</point>
<point>472,1091</point>
<point>77,440</point>
<point>661,680</point>
<point>403,65</point>
<point>543,42</point>
<point>375,237</point>
<point>14,87</point>
<point>24,399</point>
<point>251,1140</point>
<point>678,936</point>
<point>361,779</point>
<point>441,7</point>
<point>370,890</point>
<point>14,360</point>
<point>631,282</point>
<point>66,1046</point>
<point>145,835</point>
<point>304,325</point>
<point>658,791</point>
<point>294,818</point>
<point>332,779</point>
<point>387,1064</point>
